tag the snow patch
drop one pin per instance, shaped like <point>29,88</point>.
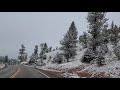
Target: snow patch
<point>71,75</point>
<point>2,66</point>
<point>112,69</point>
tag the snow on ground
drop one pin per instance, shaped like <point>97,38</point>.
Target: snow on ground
<point>70,75</point>
<point>112,69</point>
<point>60,67</point>
<point>25,62</point>
<point>2,66</point>
<point>73,68</point>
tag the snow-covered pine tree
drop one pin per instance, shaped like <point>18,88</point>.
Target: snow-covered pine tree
<point>83,39</point>
<point>42,52</point>
<point>56,48</point>
<point>46,48</point>
<point>88,56</point>
<point>105,35</point>
<point>58,58</point>
<point>50,49</point>
<point>32,59</point>
<point>22,53</point>
<point>117,51</point>
<point>69,42</point>
<point>104,39</point>
<point>6,59</point>
<point>36,52</point>
<point>114,35</point>
<point>96,22</point>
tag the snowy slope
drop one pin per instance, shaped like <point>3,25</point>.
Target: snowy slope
<point>72,69</point>
<point>112,69</point>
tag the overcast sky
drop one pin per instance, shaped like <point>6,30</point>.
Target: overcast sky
<point>33,28</point>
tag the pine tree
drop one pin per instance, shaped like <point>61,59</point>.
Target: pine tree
<point>96,22</point>
<point>83,39</point>
<point>36,52</point>
<point>50,49</point>
<point>6,59</point>
<point>32,59</point>
<point>69,42</point>
<point>22,53</point>
<point>56,48</point>
<point>105,35</point>
<point>111,32</point>
<point>42,51</point>
<point>58,58</point>
<point>117,51</point>
<point>114,35</point>
<point>46,48</point>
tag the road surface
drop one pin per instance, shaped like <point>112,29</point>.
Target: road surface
<point>21,71</point>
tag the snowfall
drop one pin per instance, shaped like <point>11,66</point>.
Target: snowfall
<point>76,69</point>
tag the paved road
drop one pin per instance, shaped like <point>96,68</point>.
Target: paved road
<point>21,71</point>
<point>8,71</point>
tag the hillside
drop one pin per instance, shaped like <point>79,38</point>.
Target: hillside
<point>77,69</point>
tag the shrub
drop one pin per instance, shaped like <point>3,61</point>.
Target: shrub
<point>58,58</point>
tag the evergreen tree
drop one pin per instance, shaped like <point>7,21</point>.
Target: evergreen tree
<point>46,48</point>
<point>96,21</point>
<point>69,42</point>
<point>36,52</point>
<point>42,51</point>
<point>114,35</point>
<point>83,39</point>
<point>22,53</point>
<point>56,48</point>
<point>105,35</point>
<point>117,51</point>
<point>32,59</point>
<point>50,49</point>
<point>58,58</point>
<point>6,59</point>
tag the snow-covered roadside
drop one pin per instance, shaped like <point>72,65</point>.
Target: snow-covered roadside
<point>64,67</point>
<point>112,69</point>
<point>70,75</point>
<point>76,69</point>
<point>60,67</point>
<point>2,66</point>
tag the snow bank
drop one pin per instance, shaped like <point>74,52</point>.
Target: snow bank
<point>2,66</point>
<point>24,62</point>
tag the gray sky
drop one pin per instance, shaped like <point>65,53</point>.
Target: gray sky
<point>33,28</point>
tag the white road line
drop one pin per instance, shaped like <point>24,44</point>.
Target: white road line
<point>42,73</point>
<point>38,71</point>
